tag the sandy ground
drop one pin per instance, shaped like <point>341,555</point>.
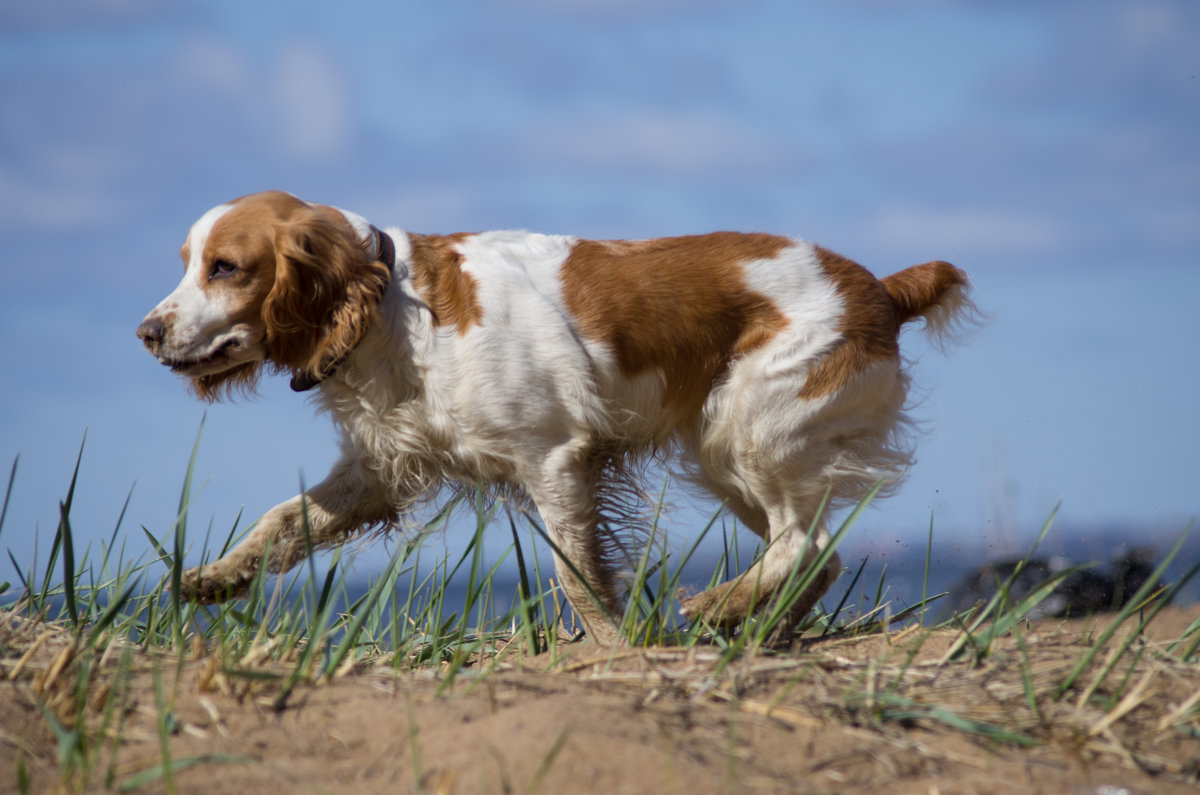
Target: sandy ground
<point>838,716</point>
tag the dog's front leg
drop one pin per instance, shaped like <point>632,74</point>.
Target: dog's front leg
<point>565,494</point>
<point>348,500</point>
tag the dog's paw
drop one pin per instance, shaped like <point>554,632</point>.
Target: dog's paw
<point>721,606</point>
<point>210,585</point>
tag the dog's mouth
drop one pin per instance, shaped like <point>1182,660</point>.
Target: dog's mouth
<point>215,360</point>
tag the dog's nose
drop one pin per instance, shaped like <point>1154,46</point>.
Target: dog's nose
<point>151,333</point>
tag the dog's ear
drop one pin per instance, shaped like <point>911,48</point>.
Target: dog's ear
<point>327,291</point>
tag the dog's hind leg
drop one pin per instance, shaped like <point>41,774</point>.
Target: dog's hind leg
<point>795,538</point>
<point>786,457</point>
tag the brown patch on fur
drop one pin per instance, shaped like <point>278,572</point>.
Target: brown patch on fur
<point>873,313</point>
<point>868,326</point>
<point>302,275</point>
<point>916,290</point>
<point>679,306</point>
<point>439,278</point>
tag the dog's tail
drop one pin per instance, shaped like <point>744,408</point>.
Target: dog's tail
<point>936,291</point>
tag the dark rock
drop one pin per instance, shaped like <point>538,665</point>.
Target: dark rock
<point>1097,589</point>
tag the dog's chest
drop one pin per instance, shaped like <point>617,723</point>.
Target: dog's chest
<point>419,441</point>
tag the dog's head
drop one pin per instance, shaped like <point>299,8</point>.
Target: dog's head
<point>271,280</point>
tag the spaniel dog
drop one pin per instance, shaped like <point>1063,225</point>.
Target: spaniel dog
<point>549,367</point>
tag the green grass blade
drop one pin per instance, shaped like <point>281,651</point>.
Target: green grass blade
<point>57,545</point>
<point>165,720</point>
<point>845,597</point>
<point>112,540</point>
<point>185,493</point>
<point>181,518</point>
<point>306,531</point>
<point>925,576</point>
<point>524,594</point>
<point>166,772</point>
<point>111,613</point>
<point>24,582</point>
<point>414,746</point>
<point>1193,631</point>
<point>67,540</point>
<point>316,641</point>
<point>900,708</point>
<point>232,532</point>
<point>548,760</point>
<point>691,550</point>
<point>12,478</point>
<point>163,554</point>
<point>383,585</point>
<point>67,740</point>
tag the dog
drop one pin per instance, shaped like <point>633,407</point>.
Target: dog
<point>550,367</point>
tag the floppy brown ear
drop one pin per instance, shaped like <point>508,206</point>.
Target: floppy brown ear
<point>327,291</point>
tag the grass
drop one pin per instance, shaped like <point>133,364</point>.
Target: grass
<point>87,623</point>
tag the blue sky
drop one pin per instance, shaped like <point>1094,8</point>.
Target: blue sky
<point>1050,149</point>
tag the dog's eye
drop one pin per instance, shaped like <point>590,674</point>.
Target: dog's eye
<point>222,268</point>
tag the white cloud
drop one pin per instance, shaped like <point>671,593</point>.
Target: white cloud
<point>80,147</point>
<point>415,206</point>
<point>1173,229</point>
<point>78,12</point>
<point>63,203</point>
<point>296,104</point>
<point>659,142</point>
<point>309,94</point>
<point>210,65</point>
<point>996,231</point>
<point>1147,26</point>
<point>639,7</point>
<point>1113,54</point>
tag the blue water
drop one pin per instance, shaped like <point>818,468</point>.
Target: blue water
<point>895,573</point>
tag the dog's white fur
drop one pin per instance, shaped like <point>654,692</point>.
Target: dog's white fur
<point>548,366</point>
